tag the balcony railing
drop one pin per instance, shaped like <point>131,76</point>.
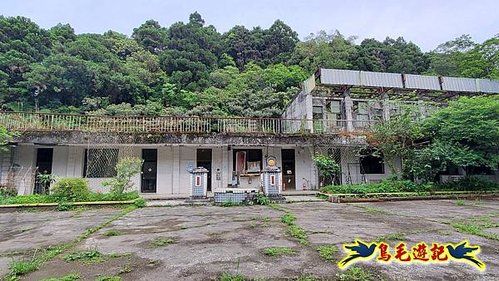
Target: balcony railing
<point>30,121</point>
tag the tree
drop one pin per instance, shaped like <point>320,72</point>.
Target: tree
<point>151,36</point>
<point>464,134</point>
<point>395,138</point>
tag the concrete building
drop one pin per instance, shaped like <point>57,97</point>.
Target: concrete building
<point>332,114</point>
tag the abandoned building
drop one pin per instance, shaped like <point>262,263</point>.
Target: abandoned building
<point>331,114</point>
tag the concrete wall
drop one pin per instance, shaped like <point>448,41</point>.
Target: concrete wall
<point>174,161</point>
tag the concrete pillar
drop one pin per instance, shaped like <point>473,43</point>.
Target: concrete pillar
<point>348,110</point>
<point>386,107</point>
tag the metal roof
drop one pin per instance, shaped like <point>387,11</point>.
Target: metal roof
<point>406,81</point>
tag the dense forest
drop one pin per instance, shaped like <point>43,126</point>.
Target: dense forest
<point>191,68</point>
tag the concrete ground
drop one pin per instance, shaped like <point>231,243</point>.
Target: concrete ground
<point>203,242</point>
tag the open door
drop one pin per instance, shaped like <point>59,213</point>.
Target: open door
<point>44,157</point>
<point>149,171</point>
<point>288,168</point>
<point>203,159</point>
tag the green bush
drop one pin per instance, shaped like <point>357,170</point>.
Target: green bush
<point>71,190</point>
<point>386,186</point>
<point>470,183</point>
<point>126,196</point>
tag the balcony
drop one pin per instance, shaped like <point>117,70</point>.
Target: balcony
<point>57,122</point>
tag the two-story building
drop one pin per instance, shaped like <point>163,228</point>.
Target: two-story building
<point>332,114</point>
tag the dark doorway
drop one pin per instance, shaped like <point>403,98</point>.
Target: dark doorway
<point>288,168</point>
<point>44,157</point>
<point>149,170</point>
<point>203,159</point>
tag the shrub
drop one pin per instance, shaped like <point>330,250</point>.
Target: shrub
<point>7,191</point>
<point>470,183</point>
<point>126,168</point>
<point>71,190</point>
<point>139,202</point>
<point>262,199</point>
<point>386,186</point>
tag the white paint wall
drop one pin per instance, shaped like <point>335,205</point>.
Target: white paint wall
<point>173,161</point>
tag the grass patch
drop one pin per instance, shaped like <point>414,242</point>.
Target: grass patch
<point>112,232</point>
<point>477,226</point>
<point>108,278</point>
<point>355,274</point>
<point>85,256</point>
<point>327,252</point>
<point>231,277</point>
<point>293,229</point>
<point>162,241</point>
<point>307,278</point>
<point>19,268</point>
<point>278,251</point>
<point>230,204</point>
<point>372,210</point>
<point>90,197</point>
<point>459,202</point>
<point>69,277</point>
<point>397,236</point>
<point>288,219</point>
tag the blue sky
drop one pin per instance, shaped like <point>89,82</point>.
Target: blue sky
<point>425,22</point>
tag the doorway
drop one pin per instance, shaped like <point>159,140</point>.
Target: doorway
<point>149,171</point>
<point>288,168</point>
<point>44,157</point>
<point>203,159</point>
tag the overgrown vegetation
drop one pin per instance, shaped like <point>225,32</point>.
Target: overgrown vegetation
<point>295,230</point>
<point>356,274</point>
<point>394,185</point>
<point>327,166</point>
<point>231,277</point>
<point>19,268</point>
<point>90,256</point>
<point>396,236</point>
<point>478,226</point>
<point>278,251</point>
<point>126,168</point>
<point>162,241</point>
<point>70,190</point>
<point>327,252</point>
<point>112,232</point>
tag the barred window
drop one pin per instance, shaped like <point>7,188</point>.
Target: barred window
<point>100,162</point>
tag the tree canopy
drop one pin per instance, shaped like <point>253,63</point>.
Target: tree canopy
<point>191,68</point>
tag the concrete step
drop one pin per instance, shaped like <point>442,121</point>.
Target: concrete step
<point>303,198</point>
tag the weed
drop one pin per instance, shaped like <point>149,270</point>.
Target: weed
<point>355,274</point>
<point>230,277</point>
<point>477,226</point>
<point>64,206</point>
<point>298,233</point>
<point>108,278</point>
<point>288,219</point>
<point>372,210</point>
<point>397,236</point>
<point>327,252</point>
<point>92,256</point>
<point>459,202</point>
<point>262,199</point>
<point>307,278</point>
<point>139,202</point>
<point>17,268</point>
<point>278,251</point>
<point>162,241</point>
<point>69,277</point>
<point>229,203</point>
<point>112,232</point>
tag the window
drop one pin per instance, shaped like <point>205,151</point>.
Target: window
<point>100,162</point>
<point>370,164</point>
<point>247,160</point>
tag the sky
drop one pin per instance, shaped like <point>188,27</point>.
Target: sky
<point>425,22</point>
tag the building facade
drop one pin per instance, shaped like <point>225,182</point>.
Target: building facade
<point>332,114</point>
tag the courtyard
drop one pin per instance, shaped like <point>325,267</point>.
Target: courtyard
<point>210,242</point>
